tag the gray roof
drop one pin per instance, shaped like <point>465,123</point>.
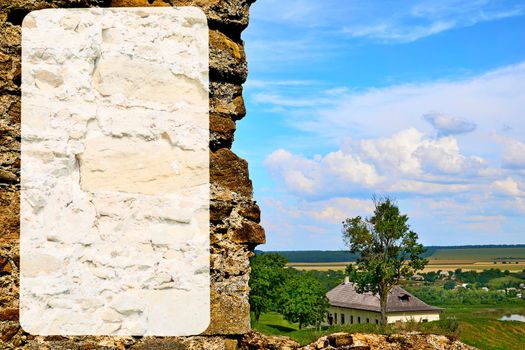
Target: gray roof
<point>345,295</point>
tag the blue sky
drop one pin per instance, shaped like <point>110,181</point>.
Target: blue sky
<point>420,100</point>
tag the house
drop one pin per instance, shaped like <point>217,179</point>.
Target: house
<point>347,306</point>
<point>417,277</point>
<point>443,274</point>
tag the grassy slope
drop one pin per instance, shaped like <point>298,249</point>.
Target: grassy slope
<point>273,323</point>
<point>478,326</point>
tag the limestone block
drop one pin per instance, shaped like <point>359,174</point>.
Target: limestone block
<point>115,173</point>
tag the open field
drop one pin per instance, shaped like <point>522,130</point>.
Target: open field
<point>433,265</point>
<point>480,254</point>
<point>445,265</point>
<point>478,326</point>
<point>476,259</point>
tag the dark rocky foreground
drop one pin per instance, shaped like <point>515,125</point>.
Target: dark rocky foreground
<point>416,341</point>
<point>234,215</point>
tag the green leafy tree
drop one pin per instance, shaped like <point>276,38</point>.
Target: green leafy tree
<point>449,285</point>
<point>388,250</point>
<point>267,276</point>
<point>303,300</point>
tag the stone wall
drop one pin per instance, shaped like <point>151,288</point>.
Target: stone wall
<point>235,229</point>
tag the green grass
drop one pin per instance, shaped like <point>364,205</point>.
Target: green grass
<point>479,254</point>
<point>273,323</point>
<point>478,326</point>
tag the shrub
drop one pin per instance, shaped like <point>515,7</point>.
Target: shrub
<point>450,324</point>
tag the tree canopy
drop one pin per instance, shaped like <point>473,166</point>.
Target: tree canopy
<point>303,300</point>
<point>267,276</point>
<point>388,250</point>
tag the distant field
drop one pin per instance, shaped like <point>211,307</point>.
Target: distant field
<point>480,254</point>
<point>434,265</point>
<point>477,259</point>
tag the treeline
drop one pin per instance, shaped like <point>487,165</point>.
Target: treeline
<point>314,256</point>
<point>436,295</point>
<point>318,256</point>
<point>491,278</point>
<point>469,276</point>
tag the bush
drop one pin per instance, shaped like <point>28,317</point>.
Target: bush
<point>449,285</point>
<point>450,324</point>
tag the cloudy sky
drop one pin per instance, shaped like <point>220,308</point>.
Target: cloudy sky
<point>423,101</point>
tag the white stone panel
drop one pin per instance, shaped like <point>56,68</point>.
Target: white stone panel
<point>115,172</point>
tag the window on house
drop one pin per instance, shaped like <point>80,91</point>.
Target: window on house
<point>342,318</point>
<point>351,319</point>
<point>367,320</point>
<point>424,320</point>
<point>377,321</point>
<point>404,297</point>
<point>358,319</point>
<point>335,318</point>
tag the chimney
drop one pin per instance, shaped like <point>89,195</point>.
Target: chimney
<point>347,280</point>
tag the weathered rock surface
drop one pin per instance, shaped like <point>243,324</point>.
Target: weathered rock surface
<point>108,158</point>
<point>357,341</point>
<point>257,341</point>
<point>232,205</point>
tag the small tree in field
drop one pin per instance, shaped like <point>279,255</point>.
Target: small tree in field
<point>388,250</point>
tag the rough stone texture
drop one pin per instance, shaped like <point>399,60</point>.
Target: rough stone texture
<point>107,159</point>
<point>231,191</point>
<point>356,341</point>
<point>340,339</point>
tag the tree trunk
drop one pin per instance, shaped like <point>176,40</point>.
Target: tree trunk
<point>383,301</point>
<point>257,315</point>
<point>300,324</point>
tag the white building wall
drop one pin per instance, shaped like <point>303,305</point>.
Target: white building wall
<point>355,316</point>
<point>352,316</point>
<point>426,316</point>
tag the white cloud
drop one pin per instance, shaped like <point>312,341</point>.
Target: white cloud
<point>514,154</point>
<point>493,100</point>
<point>410,153</point>
<point>519,204</point>
<point>406,162</point>
<point>272,84</point>
<point>446,125</point>
<point>404,21</point>
<point>289,101</point>
<point>350,168</point>
<point>442,156</point>
<point>395,153</point>
<point>299,174</point>
<point>488,224</point>
<point>397,32</point>
<point>335,210</point>
<point>389,134</point>
<point>333,172</point>
<point>508,186</point>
